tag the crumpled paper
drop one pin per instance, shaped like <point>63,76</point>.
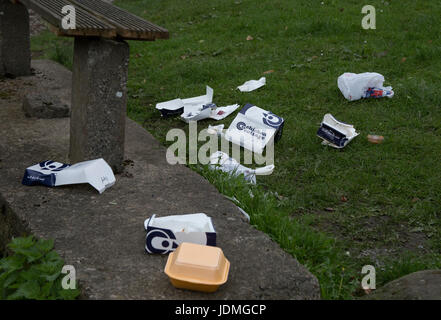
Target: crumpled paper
<point>216,130</point>
<point>252,85</point>
<point>220,113</point>
<point>196,108</point>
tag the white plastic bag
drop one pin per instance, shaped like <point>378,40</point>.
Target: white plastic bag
<point>363,85</point>
<point>221,161</point>
<point>217,130</point>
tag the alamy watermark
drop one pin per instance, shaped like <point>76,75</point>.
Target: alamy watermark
<point>69,282</point>
<point>369,20</point>
<point>369,280</point>
<point>69,20</point>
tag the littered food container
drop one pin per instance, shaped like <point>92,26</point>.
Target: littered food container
<point>197,267</point>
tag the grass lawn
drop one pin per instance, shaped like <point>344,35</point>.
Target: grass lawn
<point>334,210</point>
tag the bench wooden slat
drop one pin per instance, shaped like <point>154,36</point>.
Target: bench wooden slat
<point>128,25</point>
<point>86,24</point>
<point>96,18</point>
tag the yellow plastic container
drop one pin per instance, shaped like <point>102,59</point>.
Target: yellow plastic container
<point>197,267</point>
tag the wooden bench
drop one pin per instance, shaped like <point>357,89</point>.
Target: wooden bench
<point>100,67</point>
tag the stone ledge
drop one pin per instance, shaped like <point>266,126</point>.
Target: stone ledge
<point>420,285</point>
<point>102,236</point>
<point>48,92</point>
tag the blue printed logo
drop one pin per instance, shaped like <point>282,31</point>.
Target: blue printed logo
<point>270,119</point>
<point>160,241</point>
<point>241,125</point>
<point>53,166</point>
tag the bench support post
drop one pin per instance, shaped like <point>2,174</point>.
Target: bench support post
<point>15,51</point>
<point>99,101</point>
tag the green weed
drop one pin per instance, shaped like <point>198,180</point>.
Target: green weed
<point>33,271</point>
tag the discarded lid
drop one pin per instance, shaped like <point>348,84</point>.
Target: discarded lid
<point>197,267</point>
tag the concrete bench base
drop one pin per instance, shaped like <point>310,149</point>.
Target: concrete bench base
<point>99,101</point>
<point>102,236</point>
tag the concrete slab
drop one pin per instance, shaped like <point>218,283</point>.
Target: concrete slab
<point>102,236</point>
<point>48,94</point>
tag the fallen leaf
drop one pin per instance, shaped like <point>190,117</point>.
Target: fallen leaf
<point>184,57</point>
<point>403,60</point>
<point>415,200</point>
<point>268,71</point>
<point>343,199</point>
<point>250,38</point>
<point>329,209</point>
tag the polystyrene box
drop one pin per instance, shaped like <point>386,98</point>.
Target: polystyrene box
<point>197,267</point>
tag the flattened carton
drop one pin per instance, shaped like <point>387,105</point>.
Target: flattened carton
<point>335,133</point>
<point>253,128</point>
<point>165,234</point>
<point>50,173</point>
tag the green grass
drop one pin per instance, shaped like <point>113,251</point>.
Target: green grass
<point>393,208</point>
<point>47,46</point>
